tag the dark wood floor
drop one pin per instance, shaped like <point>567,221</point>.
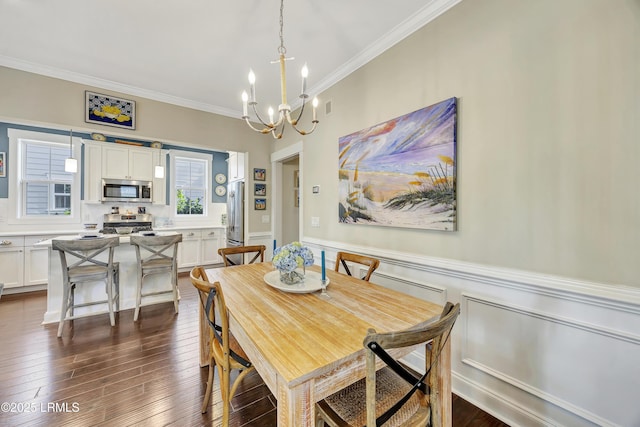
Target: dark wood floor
<point>143,374</point>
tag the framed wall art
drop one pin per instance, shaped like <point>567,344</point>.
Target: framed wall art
<point>3,164</point>
<point>260,204</point>
<point>259,174</point>
<point>401,173</point>
<point>260,189</point>
<point>109,110</point>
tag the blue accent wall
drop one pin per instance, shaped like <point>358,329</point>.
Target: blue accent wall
<point>219,158</point>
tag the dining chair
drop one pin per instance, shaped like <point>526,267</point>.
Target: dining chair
<point>343,257</point>
<point>225,353</point>
<point>229,259</point>
<point>156,255</point>
<point>80,265</point>
<point>394,395</point>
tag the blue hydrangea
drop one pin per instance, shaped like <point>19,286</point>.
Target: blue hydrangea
<point>291,256</point>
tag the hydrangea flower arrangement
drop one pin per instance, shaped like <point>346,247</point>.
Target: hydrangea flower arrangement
<point>289,257</point>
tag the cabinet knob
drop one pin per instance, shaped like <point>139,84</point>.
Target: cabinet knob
<point>190,234</point>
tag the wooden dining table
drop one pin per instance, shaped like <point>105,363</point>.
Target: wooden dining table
<point>306,347</point>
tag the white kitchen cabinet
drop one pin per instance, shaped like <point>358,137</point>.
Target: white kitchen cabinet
<point>92,172</point>
<point>189,249</point>
<point>36,261</point>
<point>200,247</point>
<point>127,163</point>
<point>236,166</point>
<point>209,245</point>
<point>12,261</point>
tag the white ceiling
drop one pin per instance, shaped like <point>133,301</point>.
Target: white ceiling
<point>197,53</point>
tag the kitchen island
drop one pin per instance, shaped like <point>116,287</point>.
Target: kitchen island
<point>125,254</point>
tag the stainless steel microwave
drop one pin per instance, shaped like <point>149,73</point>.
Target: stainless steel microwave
<point>124,190</point>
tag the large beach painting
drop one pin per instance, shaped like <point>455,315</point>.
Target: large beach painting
<point>401,173</point>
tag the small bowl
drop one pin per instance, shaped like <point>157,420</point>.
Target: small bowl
<point>124,230</point>
<point>90,226</point>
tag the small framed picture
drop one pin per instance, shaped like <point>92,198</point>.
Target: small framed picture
<point>260,189</point>
<point>296,198</point>
<point>259,174</point>
<point>296,178</point>
<point>109,110</point>
<point>3,165</point>
<point>260,204</point>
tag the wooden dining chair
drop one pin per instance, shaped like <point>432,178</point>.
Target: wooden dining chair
<point>227,254</point>
<point>343,257</point>
<point>80,265</point>
<point>156,255</point>
<point>393,396</point>
<point>225,353</point>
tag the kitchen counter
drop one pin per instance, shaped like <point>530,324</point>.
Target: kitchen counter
<point>78,231</point>
<point>125,254</point>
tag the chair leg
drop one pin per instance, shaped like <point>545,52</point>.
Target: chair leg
<point>112,317</point>
<point>224,390</point>
<point>138,296</point>
<point>174,280</point>
<point>64,308</point>
<point>116,276</point>
<point>207,394</point>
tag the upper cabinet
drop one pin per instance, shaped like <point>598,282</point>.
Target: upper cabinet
<point>236,166</point>
<point>127,163</point>
<point>107,160</point>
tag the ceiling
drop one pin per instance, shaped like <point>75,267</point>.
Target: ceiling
<point>198,53</point>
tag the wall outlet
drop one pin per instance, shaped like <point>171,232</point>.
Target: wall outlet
<point>265,219</point>
<point>315,221</point>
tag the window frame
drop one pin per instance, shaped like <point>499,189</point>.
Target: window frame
<point>208,159</point>
<point>16,201</point>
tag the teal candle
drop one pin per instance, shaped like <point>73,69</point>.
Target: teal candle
<point>274,245</point>
<point>324,273</point>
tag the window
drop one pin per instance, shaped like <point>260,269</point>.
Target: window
<point>191,185</point>
<point>40,190</point>
<point>45,185</point>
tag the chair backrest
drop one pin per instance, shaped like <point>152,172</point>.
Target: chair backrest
<point>257,250</point>
<point>150,248</point>
<point>83,252</point>
<point>433,332</point>
<point>215,309</point>
<point>343,257</point>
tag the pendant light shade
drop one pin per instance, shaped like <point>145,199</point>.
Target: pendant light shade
<point>71,164</point>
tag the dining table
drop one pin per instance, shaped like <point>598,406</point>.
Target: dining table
<point>306,346</point>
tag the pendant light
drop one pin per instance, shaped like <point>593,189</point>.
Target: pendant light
<point>71,164</point>
<point>159,169</point>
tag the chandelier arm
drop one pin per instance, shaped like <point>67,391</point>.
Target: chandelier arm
<point>255,111</point>
<point>263,130</point>
<point>300,114</point>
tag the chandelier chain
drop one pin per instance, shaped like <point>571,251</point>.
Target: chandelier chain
<point>282,50</point>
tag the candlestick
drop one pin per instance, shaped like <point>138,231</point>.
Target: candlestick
<point>274,245</point>
<point>324,273</point>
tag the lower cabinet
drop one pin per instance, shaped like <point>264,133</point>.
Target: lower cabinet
<point>21,263</point>
<point>199,247</point>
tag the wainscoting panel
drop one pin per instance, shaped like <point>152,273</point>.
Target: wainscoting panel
<point>531,349</point>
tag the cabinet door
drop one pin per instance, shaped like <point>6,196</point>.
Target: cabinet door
<point>189,249</point>
<point>209,247</point>
<point>141,165</point>
<point>115,162</point>
<point>92,173</point>
<point>36,265</point>
<point>11,265</point>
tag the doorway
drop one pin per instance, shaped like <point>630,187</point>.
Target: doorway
<point>287,207</point>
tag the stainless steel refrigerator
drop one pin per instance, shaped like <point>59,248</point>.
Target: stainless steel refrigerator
<point>235,217</point>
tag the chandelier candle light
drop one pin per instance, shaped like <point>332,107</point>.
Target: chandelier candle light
<point>284,110</point>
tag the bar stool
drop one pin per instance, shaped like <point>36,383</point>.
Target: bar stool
<point>79,265</point>
<point>156,255</point>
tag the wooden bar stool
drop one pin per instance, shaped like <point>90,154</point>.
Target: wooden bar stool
<point>156,255</point>
<point>79,265</point>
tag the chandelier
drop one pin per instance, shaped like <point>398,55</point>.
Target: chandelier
<point>284,110</point>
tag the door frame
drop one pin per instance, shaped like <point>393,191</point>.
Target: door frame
<point>277,159</point>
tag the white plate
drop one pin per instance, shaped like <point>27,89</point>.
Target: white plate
<point>311,282</point>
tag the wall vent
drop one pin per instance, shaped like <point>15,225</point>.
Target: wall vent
<point>327,108</point>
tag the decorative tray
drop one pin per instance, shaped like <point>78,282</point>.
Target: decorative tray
<point>311,282</point>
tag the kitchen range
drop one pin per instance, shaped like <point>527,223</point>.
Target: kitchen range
<point>126,223</point>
